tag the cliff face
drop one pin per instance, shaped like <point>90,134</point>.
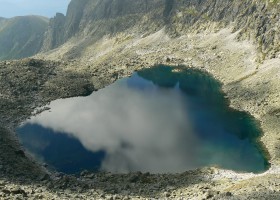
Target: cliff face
<point>100,17</point>
<point>54,35</point>
<point>256,20</point>
<point>21,36</point>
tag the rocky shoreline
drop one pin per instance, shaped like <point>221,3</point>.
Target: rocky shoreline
<point>31,83</point>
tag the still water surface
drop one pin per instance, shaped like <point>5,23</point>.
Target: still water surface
<point>159,120</point>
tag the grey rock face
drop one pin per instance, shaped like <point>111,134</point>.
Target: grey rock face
<point>25,36</point>
<point>55,36</point>
<point>256,20</point>
<point>100,17</point>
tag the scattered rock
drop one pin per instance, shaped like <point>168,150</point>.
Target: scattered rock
<point>45,177</point>
<point>19,191</point>
<point>20,153</point>
<point>167,194</point>
<point>228,194</point>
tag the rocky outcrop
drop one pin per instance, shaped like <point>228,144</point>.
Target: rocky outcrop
<point>256,20</point>
<point>101,17</point>
<point>55,35</point>
<point>21,36</point>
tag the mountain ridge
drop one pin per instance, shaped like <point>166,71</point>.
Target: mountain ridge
<point>21,36</point>
<point>98,18</point>
<point>255,20</point>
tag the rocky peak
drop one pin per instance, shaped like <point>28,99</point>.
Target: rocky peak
<point>55,32</point>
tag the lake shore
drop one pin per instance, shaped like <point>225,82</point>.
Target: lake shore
<point>249,84</point>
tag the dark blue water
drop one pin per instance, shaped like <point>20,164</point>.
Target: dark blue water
<point>159,120</point>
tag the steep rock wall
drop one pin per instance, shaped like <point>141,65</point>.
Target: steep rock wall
<point>257,20</point>
<point>100,17</point>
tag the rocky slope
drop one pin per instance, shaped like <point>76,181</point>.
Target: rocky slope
<point>99,41</point>
<point>250,86</point>
<point>21,36</point>
<point>89,21</point>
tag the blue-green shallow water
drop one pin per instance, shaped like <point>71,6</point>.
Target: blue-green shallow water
<point>159,120</point>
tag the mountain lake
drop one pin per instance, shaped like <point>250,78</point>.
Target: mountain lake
<point>160,120</point>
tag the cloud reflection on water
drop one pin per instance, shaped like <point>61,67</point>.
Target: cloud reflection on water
<point>144,127</point>
<point>140,129</point>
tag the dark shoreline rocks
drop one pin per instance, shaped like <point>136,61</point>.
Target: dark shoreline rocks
<point>23,178</point>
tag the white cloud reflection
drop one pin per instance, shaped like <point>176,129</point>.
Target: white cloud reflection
<point>140,130</point>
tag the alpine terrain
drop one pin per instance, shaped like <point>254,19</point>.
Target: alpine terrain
<point>100,41</point>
